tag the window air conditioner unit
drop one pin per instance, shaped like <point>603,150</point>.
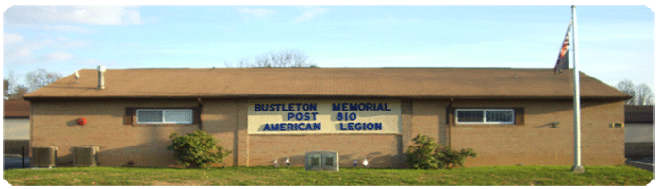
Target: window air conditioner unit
<point>85,156</point>
<point>44,156</point>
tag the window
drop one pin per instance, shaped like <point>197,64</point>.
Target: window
<point>164,116</point>
<point>485,116</point>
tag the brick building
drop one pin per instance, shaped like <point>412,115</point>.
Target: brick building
<point>508,116</point>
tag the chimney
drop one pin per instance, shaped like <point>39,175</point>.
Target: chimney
<point>101,70</point>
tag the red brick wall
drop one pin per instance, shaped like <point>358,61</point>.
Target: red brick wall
<point>536,143</point>
<point>53,124</point>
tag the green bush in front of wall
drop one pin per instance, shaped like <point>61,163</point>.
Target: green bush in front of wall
<point>422,155</point>
<point>451,158</point>
<point>198,149</point>
<point>426,154</point>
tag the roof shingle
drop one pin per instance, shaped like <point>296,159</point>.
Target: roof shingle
<point>375,82</point>
<point>16,108</point>
<point>639,114</point>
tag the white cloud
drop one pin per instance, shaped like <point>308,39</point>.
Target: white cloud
<point>66,28</point>
<point>91,61</point>
<point>23,49</point>
<point>11,38</point>
<point>34,51</point>
<point>257,13</point>
<point>54,56</point>
<point>75,44</point>
<point>50,57</point>
<point>311,12</point>
<point>92,15</point>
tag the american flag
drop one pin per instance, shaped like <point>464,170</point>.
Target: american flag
<point>562,60</point>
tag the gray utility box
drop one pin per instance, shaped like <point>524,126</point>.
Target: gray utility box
<point>44,156</point>
<point>321,161</point>
<point>84,156</point>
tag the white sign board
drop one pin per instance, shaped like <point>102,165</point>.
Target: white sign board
<point>306,116</point>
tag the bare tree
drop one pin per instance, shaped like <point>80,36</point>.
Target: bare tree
<point>644,95</point>
<point>10,85</point>
<point>628,87</point>
<point>12,90</point>
<point>40,78</point>
<point>281,59</point>
<point>6,88</point>
<point>641,94</point>
<point>18,92</point>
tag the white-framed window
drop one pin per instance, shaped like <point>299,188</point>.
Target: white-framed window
<point>485,116</point>
<point>164,116</point>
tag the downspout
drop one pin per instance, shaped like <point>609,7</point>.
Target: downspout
<point>201,108</point>
<point>449,107</point>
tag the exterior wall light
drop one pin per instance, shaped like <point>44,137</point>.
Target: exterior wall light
<point>82,121</point>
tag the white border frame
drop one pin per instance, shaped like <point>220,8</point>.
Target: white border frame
<point>485,122</point>
<point>163,114</point>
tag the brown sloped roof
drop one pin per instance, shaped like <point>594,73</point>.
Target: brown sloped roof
<point>639,114</point>
<point>300,82</point>
<point>17,108</point>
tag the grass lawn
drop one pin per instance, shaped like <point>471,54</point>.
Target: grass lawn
<point>498,175</point>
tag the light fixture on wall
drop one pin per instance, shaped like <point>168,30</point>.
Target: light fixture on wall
<point>82,121</point>
<point>554,124</point>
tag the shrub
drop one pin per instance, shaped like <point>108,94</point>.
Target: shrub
<point>451,158</point>
<point>426,154</point>
<point>421,155</point>
<point>198,149</point>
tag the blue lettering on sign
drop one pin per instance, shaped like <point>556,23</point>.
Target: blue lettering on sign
<point>300,116</point>
<point>286,107</point>
<point>360,126</point>
<point>360,107</point>
<point>291,126</point>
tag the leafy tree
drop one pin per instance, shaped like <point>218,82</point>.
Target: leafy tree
<point>198,149</point>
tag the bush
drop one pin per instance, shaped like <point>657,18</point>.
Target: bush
<point>426,154</point>
<point>422,154</point>
<point>451,158</point>
<point>198,149</point>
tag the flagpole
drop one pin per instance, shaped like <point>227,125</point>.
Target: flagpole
<point>577,167</point>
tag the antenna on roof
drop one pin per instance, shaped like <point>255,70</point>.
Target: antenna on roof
<point>77,75</point>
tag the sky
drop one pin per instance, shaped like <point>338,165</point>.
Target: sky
<point>614,42</point>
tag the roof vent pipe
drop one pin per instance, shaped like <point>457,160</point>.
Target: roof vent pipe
<point>77,75</point>
<point>101,70</point>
